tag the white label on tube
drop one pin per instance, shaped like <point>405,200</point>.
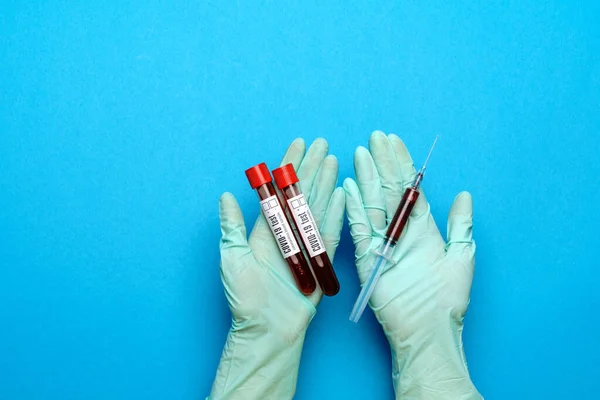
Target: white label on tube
<point>306,225</point>
<point>284,236</point>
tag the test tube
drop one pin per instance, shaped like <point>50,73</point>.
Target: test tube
<point>260,179</point>
<point>286,180</point>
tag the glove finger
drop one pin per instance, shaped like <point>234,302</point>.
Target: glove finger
<point>408,172</point>
<point>389,171</point>
<point>370,188</point>
<point>331,228</point>
<point>310,165</point>
<point>233,245</point>
<point>323,188</point>
<point>360,228</point>
<point>460,226</point>
<point>405,163</point>
<point>294,153</point>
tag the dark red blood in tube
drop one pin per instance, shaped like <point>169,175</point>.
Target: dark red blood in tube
<point>286,180</point>
<point>260,179</point>
<point>409,199</point>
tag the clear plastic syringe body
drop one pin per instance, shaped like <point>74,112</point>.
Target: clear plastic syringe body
<point>392,235</point>
<point>386,249</point>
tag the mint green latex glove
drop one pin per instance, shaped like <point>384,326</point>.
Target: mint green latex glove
<point>270,316</point>
<point>421,298</point>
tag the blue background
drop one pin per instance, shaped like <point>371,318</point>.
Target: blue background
<point>121,124</point>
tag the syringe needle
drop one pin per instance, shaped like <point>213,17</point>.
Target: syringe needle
<point>421,173</point>
<point>430,151</point>
<point>386,248</point>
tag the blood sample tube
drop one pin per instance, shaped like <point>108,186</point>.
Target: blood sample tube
<point>260,179</point>
<point>286,180</point>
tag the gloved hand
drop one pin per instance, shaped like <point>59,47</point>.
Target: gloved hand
<point>421,298</point>
<point>270,316</point>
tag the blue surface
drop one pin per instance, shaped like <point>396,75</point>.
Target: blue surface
<point>120,127</point>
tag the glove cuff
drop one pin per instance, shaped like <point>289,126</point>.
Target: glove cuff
<point>432,365</point>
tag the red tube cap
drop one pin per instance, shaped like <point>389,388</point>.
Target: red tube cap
<point>258,175</point>
<point>285,176</point>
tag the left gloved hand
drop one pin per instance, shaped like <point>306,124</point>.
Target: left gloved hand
<point>422,297</point>
<point>270,316</point>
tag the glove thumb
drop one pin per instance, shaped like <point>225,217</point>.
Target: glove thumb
<point>233,243</point>
<point>460,225</point>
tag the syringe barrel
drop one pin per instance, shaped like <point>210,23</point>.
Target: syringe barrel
<point>419,178</point>
<point>409,199</point>
<point>386,249</point>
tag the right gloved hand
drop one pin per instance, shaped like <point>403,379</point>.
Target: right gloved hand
<point>270,316</point>
<point>422,296</point>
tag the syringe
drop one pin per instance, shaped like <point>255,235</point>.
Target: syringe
<point>386,249</point>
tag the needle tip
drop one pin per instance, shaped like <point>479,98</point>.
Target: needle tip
<point>430,151</point>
